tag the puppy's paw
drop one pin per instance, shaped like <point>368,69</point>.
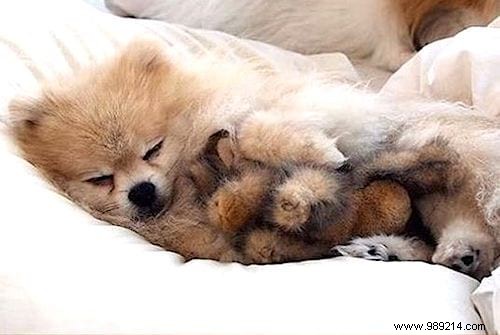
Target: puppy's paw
<point>374,252</point>
<point>465,257</point>
<point>274,139</point>
<point>331,154</point>
<point>291,209</point>
<point>385,248</point>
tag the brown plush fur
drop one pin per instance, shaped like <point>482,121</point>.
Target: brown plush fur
<point>295,214</point>
<point>304,209</point>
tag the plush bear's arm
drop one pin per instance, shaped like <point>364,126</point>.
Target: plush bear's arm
<point>238,202</point>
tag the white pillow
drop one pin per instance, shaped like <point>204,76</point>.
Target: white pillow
<point>61,271</point>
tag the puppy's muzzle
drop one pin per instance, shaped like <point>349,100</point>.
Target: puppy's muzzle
<point>145,198</point>
<point>143,194</point>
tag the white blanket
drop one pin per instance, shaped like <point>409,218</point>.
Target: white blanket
<point>61,271</point>
<point>487,300</point>
<point>465,68</point>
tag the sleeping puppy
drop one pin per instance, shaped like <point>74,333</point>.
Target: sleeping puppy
<point>117,138</point>
<point>387,32</point>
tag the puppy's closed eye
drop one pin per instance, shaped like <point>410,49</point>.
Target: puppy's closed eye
<point>153,152</point>
<point>106,180</point>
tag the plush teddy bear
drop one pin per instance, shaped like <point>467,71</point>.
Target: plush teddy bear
<point>298,212</point>
<point>316,205</point>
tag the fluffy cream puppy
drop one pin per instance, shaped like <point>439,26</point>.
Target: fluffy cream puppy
<point>117,137</point>
<point>386,32</point>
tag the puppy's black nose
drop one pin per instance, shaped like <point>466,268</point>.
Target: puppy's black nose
<point>143,194</point>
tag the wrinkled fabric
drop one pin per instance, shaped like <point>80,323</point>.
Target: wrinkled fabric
<point>464,68</point>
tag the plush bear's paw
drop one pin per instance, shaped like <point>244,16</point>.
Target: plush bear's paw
<point>291,209</point>
<point>229,210</point>
<point>238,202</point>
<point>261,247</point>
<point>308,196</point>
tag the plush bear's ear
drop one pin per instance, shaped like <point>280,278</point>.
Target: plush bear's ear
<point>225,149</point>
<point>220,147</point>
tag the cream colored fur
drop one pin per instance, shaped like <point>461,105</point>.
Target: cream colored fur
<point>382,31</point>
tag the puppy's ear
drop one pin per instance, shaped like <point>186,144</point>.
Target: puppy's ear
<point>144,57</point>
<point>25,116</point>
